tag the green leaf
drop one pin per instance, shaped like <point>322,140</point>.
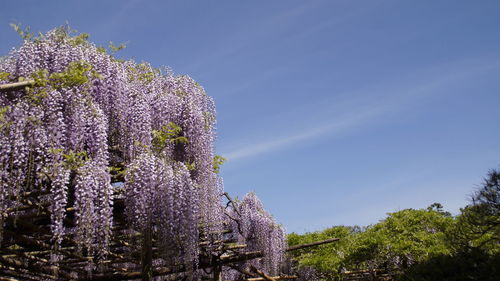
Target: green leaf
<point>74,75</point>
<point>25,34</point>
<point>114,48</point>
<point>170,133</point>
<point>217,163</point>
<point>80,39</point>
<point>4,76</point>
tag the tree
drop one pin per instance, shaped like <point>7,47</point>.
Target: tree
<point>473,241</point>
<point>394,244</point>
<point>327,260</point>
<point>478,225</point>
<point>404,238</point>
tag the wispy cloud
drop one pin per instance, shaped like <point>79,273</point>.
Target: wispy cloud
<point>364,109</point>
<point>335,126</point>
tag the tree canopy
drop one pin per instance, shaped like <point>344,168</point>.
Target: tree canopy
<point>415,244</point>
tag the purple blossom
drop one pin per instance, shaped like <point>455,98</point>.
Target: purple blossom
<point>64,139</point>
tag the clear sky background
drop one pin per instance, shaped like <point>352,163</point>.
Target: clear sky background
<point>333,112</point>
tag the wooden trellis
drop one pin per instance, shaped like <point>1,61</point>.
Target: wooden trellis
<point>27,245</point>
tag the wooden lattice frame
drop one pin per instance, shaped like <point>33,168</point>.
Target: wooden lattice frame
<point>27,246</point>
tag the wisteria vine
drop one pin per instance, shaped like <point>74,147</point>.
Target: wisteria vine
<point>255,227</point>
<point>90,117</point>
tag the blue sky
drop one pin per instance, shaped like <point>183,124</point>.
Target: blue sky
<point>333,112</point>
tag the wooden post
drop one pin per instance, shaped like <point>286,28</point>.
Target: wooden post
<point>147,255</point>
<point>218,273</point>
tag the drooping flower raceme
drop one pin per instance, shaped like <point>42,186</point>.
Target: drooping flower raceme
<point>255,227</point>
<point>89,112</point>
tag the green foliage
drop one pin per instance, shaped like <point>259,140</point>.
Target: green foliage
<point>25,34</point>
<point>3,111</point>
<point>474,230</point>
<point>460,266</point>
<point>114,48</point>
<point>438,208</point>
<point>38,93</point>
<point>74,75</point>
<point>117,172</point>
<point>209,119</point>
<point>191,166</point>
<point>170,133</point>
<point>328,259</point>
<point>63,33</point>
<point>36,96</point>
<point>143,72</point>
<point>71,160</point>
<point>217,163</point>
<point>478,225</point>
<point>101,49</point>
<point>4,76</point>
<point>75,159</point>
<point>403,238</point>
<point>80,39</point>
<point>424,244</point>
<point>40,76</point>
<point>407,237</point>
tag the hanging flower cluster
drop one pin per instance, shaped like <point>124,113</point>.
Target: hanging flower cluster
<point>164,195</point>
<point>89,120</point>
<point>255,227</point>
<point>90,113</point>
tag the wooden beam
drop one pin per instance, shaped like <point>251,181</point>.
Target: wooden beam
<point>32,268</point>
<point>8,279</point>
<point>223,260</point>
<point>25,240</point>
<point>246,272</point>
<point>22,274</point>
<point>261,274</point>
<point>283,277</point>
<point>16,86</point>
<point>302,246</point>
<point>33,258</point>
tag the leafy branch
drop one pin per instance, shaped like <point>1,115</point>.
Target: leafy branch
<point>170,133</point>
